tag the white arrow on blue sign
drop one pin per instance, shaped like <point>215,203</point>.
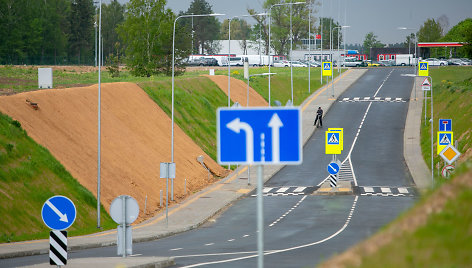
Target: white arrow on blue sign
<point>58,212</point>
<point>259,136</point>
<point>333,168</point>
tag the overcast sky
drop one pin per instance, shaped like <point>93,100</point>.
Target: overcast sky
<point>382,17</point>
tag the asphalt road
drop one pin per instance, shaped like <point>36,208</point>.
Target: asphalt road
<point>303,230</point>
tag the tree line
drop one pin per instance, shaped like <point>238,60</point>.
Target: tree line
<point>433,30</point>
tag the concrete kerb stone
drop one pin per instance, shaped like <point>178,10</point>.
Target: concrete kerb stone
<point>112,262</point>
<point>150,233</point>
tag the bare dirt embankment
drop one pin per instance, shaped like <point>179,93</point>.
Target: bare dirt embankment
<point>238,91</point>
<point>136,137</point>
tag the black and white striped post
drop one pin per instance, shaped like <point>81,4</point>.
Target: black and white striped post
<point>333,180</point>
<point>58,247</point>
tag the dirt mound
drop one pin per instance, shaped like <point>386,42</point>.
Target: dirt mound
<point>136,137</point>
<point>238,91</point>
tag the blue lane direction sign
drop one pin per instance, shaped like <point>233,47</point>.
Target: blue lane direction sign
<point>58,212</point>
<point>445,124</point>
<point>333,168</point>
<point>266,136</point>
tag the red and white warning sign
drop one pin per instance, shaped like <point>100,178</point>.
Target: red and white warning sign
<point>426,84</point>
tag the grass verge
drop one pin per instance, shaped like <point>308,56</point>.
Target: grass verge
<point>29,175</point>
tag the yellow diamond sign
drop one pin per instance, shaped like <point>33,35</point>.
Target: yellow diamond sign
<point>450,154</point>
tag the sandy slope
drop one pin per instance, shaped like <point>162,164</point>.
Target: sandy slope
<point>136,136</point>
<point>238,91</point>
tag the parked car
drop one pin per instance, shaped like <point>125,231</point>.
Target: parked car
<point>298,64</point>
<point>435,62</point>
<point>467,61</point>
<point>354,62</point>
<point>373,63</point>
<point>202,62</point>
<point>282,63</point>
<point>388,62</point>
<point>456,62</point>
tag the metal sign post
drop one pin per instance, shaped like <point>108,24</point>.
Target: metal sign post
<point>167,171</point>
<point>58,213</point>
<point>262,136</point>
<point>124,210</point>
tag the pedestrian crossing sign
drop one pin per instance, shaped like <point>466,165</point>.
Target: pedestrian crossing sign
<point>444,139</point>
<point>341,136</point>
<point>327,70</point>
<point>423,68</point>
<point>333,142</point>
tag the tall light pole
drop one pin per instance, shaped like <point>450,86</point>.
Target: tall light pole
<point>270,19</point>
<point>416,55</point>
<point>339,55</point>
<point>99,113</point>
<point>309,48</point>
<point>331,37</point>
<point>229,51</point>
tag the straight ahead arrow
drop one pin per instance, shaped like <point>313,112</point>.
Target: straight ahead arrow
<point>275,124</point>
<point>62,217</point>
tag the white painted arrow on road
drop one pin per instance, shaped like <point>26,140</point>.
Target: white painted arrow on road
<point>62,217</point>
<point>236,125</point>
<point>275,124</point>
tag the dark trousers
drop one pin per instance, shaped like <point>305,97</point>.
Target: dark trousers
<point>318,117</point>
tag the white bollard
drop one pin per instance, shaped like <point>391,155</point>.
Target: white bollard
<point>160,203</point>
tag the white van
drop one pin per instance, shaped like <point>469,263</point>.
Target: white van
<point>236,61</point>
<point>404,59</point>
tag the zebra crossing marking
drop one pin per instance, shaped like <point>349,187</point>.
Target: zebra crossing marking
<point>358,190</point>
<point>373,99</point>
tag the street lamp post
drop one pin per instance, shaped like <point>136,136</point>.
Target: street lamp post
<point>416,55</point>
<point>260,208</point>
<point>99,115</point>
<point>270,20</point>
<point>331,37</point>
<point>173,64</point>
<point>229,52</point>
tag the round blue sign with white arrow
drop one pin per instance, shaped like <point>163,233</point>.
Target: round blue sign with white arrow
<point>333,168</point>
<point>58,212</point>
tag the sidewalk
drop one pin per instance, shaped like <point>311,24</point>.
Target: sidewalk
<point>201,206</point>
<point>412,140</point>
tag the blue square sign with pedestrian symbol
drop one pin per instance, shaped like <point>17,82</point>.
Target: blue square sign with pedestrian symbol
<point>333,138</point>
<point>259,136</point>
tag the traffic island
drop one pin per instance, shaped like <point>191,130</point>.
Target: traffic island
<point>342,188</point>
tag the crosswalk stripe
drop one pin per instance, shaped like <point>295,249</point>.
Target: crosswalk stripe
<point>267,189</point>
<point>299,189</point>
<point>282,190</point>
<point>403,190</point>
<point>385,190</point>
<point>368,189</point>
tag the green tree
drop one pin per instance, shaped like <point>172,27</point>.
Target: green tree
<point>325,23</point>
<point>240,30</point>
<point>371,41</point>
<point>32,31</point>
<point>280,27</point>
<point>147,36</point>
<point>206,29</point>
<point>430,31</point>
<point>81,30</point>
<point>462,32</point>
<point>112,16</point>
